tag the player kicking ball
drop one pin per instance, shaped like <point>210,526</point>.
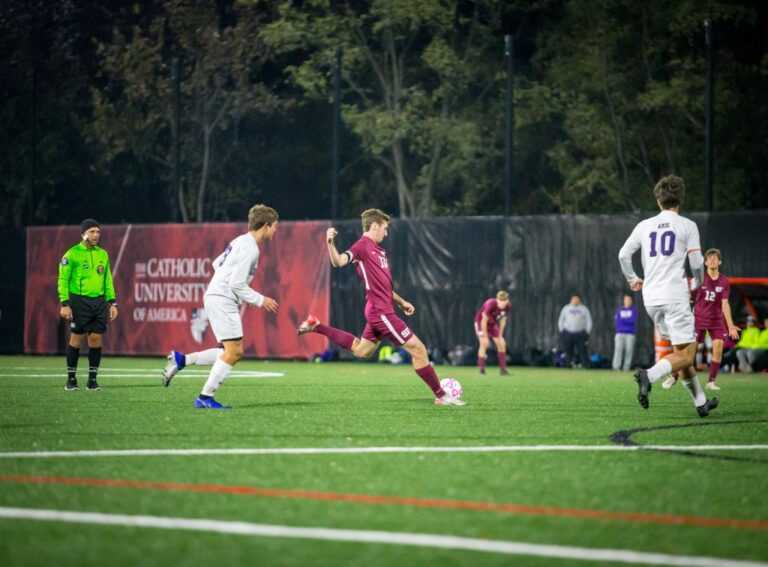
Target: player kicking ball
<point>372,265</point>
<point>665,241</point>
<point>229,288</point>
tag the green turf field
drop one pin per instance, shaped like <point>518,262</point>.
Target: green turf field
<point>551,506</point>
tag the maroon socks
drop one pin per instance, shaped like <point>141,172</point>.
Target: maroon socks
<point>429,376</point>
<point>341,338</point>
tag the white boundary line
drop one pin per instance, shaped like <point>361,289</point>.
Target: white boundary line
<point>154,374</point>
<point>376,537</point>
<point>368,450</point>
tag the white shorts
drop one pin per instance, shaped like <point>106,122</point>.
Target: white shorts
<point>674,322</point>
<point>224,317</point>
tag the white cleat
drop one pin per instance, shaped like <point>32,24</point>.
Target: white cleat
<point>447,400</point>
<point>172,367</point>
<point>712,386</point>
<point>669,382</point>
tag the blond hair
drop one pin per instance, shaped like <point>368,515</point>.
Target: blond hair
<point>370,216</point>
<point>259,215</point>
<point>502,296</point>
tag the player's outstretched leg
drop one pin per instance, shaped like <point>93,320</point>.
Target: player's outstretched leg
<point>704,409</point>
<point>308,325</point>
<point>176,362</point>
<point>643,387</point>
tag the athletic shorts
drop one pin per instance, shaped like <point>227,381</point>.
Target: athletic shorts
<point>493,330</point>
<point>224,317</point>
<point>89,314</point>
<point>386,326</point>
<point>674,322</point>
<point>716,332</point>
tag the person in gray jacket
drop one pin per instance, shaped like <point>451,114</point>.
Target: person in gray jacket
<point>575,324</point>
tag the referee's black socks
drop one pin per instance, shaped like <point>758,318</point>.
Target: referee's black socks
<point>73,354</point>
<point>94,359</point>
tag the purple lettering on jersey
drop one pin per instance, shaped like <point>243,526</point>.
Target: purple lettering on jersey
<point>372,267</point>
<point>708,309</point>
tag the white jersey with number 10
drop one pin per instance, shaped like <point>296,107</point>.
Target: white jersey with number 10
<point>665,241</point>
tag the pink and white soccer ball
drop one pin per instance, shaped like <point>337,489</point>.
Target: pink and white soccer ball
<point>451,387</point>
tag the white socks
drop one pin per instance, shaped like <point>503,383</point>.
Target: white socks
<point>204,357</point>
<point>218,374</point>
<point>694,389</point>
<point>659,370</point>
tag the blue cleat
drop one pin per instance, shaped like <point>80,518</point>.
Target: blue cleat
<point>176,362</point>
<point>209,403</point>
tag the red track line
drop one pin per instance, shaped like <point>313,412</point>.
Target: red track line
<point>675,519</point>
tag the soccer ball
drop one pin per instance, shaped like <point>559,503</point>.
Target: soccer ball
<point>451,387</point>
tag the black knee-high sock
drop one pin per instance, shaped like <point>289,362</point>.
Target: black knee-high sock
<point>72,355</point>
<point>94,359</point>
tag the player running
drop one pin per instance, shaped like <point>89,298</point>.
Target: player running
<point>665,241</point>
<point>228,290</point>
<point>372,266</point>
<point>712,314</point>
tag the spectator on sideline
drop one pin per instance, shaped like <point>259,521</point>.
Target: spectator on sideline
<point>752,345</point>
<point>490,322</point>
<point>625,321</point>
<point>575,324</point>
<point>87,297</point>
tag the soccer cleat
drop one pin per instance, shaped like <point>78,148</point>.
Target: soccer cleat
<point>712,386</point>
<point>669,382</point>
<point>447,400</point>
<point>209,403</point>
<point>503,372</point>
<point>70,385</point>
<point>644,387</point>
<point>176,362</point>
<point>482,371</point>
<point>308,325</point>
<point>704,409</point>
<point>92,385</point>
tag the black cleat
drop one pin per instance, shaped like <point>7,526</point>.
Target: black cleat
<point>704,409</point>
<point>92,385</point>
<point>71,385</point>
<point>644,387</point>
<point>503,372</point>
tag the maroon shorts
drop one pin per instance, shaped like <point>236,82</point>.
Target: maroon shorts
<point>715,332</point>
<point>493,330</point>
<point>386,326</point>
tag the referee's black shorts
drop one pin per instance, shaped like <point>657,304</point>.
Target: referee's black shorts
<point>89,314</point>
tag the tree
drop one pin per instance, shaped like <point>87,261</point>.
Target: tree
<point>416,75</point>
<point>221,56</point>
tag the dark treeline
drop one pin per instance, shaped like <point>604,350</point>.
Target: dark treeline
<point>608,97</point>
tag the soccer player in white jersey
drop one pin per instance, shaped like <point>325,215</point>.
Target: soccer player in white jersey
<point>228,290</point>
<point>665,241</point>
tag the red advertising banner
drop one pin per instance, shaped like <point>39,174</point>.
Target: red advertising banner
<point>161,273</point>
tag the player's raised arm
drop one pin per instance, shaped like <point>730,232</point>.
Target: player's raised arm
<point>337,260</point>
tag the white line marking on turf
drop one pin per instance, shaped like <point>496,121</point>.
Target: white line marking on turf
<point>375,537</point>
<point>133,373</point>
<point>361,450</point>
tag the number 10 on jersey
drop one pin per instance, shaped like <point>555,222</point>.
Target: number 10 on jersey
<point>666,243</point>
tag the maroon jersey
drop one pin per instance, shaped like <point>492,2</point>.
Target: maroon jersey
<point>708,309</point>
<point>491,309</point>
<point>372,266</point>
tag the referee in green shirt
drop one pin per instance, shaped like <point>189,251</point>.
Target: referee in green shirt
<point>87,298</point>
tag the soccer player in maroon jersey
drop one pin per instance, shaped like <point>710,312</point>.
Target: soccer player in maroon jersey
<point>712,314</point>
<point>490,321</point>
<point>372,265</point>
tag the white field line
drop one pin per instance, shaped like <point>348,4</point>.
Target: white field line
<point>128,373</point>
<point>369,450</point>
<point>375,537</point>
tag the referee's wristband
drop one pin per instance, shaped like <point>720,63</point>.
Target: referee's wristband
<point>112,303</point>
<point>65,303</point>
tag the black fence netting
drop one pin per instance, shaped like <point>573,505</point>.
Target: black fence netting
<point>447,267</point>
